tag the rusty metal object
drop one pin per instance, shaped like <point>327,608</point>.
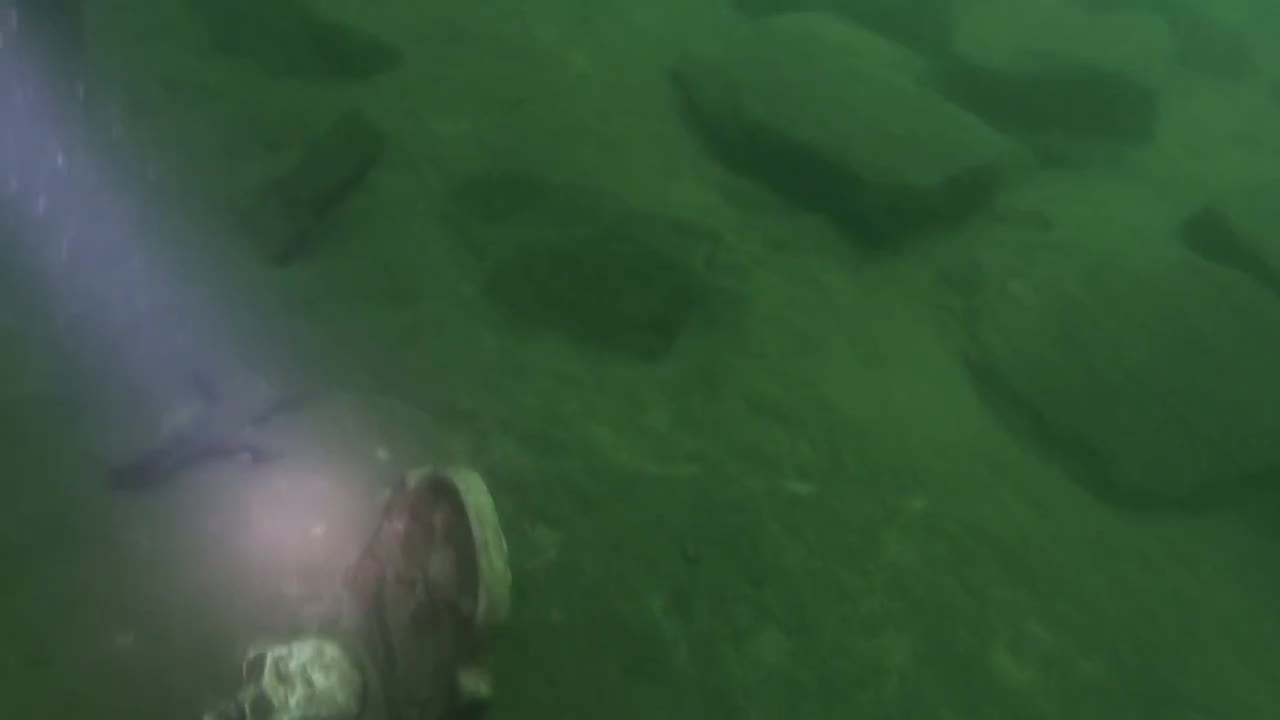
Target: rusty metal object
<point>430,588</point>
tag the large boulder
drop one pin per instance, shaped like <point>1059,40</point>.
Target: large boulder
<point>1054,74</point>
<point>1147,372</point>
<point>1017,35</point>
<point>1207,37</point>
<point>291,38</point>
<point>838,120</point>
<point>925,26</point>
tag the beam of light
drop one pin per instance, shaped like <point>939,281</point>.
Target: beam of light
<point>106,268</point>
<point>125,296</point>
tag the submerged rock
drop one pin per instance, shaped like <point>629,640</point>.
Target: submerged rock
<point>837,120</point>
<point>1147,373</point>
<point>1202,42</point>
<point>925,26</point>
<point>288,37</point>
<point>1051,74</point>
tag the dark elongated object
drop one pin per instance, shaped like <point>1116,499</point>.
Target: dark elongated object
<point>286,216</point>
<point>176,457</point>
<point>194,447</point>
